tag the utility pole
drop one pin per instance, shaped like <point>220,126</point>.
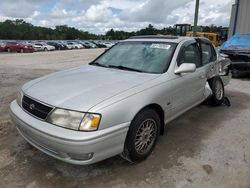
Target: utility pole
<point>196,14</point>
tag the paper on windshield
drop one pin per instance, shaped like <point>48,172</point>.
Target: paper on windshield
<point>160,46</point>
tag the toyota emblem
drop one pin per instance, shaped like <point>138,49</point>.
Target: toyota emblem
<point>32,106</point>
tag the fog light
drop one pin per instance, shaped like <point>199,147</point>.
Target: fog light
<point>81,157</point>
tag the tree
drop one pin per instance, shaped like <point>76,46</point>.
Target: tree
<point>20,30</point>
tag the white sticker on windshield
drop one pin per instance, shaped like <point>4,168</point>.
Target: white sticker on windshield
<point>160,46</point>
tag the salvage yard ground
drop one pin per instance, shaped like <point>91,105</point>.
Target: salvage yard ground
<point>205,147</point>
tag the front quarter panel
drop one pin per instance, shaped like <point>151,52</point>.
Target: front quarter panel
<point>123,108</point>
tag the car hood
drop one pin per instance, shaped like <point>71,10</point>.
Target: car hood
<point>236,50</point>
<point>83,87</point>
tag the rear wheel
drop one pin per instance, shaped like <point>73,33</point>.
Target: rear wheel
<point>142,136</point>
<point>217,87</point>
<point>46,49</point>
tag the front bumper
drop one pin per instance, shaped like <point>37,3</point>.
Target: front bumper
<point>241,66</point>
<point>74,147</point>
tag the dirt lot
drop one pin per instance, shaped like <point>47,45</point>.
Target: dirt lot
<point>205,147</point>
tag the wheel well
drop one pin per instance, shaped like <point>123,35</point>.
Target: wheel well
<point>160,112</point>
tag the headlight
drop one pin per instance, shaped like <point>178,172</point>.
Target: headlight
<point>19,98</point>
<point>74,120</point>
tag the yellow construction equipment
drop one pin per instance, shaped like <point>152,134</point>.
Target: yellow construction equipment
<point>214,37</point>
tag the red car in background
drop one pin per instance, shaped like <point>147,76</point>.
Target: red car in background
<point>2,46</point>
<point>17,47</point>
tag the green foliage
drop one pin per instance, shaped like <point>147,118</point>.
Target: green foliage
<point>21,30</point>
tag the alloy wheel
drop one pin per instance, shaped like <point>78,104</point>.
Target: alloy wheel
<point>145,136</point>
<point>218,90</point>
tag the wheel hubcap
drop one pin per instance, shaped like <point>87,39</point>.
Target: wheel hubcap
<point>219,90</point>
<point>145,136</point>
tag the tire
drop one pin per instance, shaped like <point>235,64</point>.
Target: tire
<point>22,51</point>
<point>138,145</point>
<point>8,50</point>
<point>217,87</point>
<point>45,49</point>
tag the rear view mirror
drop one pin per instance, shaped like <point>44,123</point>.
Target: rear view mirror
<point>185,68</point>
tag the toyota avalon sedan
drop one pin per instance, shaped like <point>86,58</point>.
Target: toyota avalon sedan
<point>122,101</point>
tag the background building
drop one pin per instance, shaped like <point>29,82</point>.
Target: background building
<point>240,18</point>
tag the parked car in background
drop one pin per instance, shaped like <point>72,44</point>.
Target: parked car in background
<point>57,45</point>
<point>2,44</point>
<point>64,43</point>
<point>108,44</point>
<point>120,102</point>
<point>87,44</point>
<point>43,47</point>
<point>17,47</point>
<point>75,45</point>
<point>90,44</point>
<point>99,44</point>
<point>238,50</point>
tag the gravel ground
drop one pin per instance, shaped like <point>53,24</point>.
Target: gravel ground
<point>205,147</point>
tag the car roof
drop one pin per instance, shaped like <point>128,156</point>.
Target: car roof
<point>164,38</point>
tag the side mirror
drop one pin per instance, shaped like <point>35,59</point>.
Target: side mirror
<point>186,68</point>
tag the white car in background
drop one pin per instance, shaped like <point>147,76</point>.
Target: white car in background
<point>43,47</point>
<point>108,44</point>
<point>75,45</point>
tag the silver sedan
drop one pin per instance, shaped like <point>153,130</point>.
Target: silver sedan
<point>122,101</point>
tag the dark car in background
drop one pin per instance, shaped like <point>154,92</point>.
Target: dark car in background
<point>57,45</point>
<point>238,50</point>
<point>17,47</point>
<point>87,44</point>
<point>99,44</point>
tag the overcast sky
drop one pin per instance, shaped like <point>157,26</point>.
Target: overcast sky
<point>98,16</point>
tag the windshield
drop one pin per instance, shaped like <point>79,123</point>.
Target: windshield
<point>149,57</point>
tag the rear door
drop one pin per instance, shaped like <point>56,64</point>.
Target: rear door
<point>209,58</point>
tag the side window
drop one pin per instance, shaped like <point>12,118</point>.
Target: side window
<point>206,53</point>
<point>214,54</point>
<point>190,54</point>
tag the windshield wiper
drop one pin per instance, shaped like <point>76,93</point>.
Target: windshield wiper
<point>123,68</point>
<point>115,66</point>
<point>98,64</point>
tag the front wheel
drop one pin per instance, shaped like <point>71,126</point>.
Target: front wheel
<point>217,87</point>
<point>142,136</point>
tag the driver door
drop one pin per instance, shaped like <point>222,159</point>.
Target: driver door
<point>188,87</point>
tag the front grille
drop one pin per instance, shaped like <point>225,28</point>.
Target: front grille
<point>35,108</point>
